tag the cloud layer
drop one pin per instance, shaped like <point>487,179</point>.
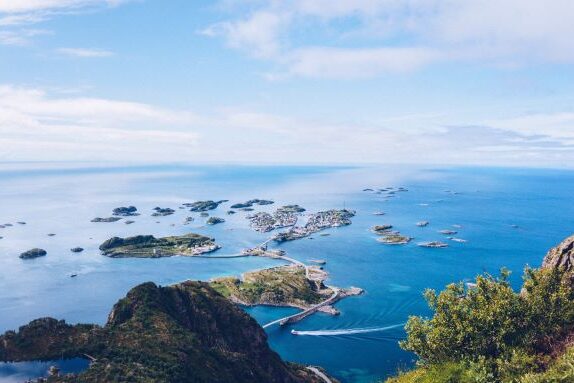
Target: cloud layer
<point>37,125</point>
<point>358,38</point>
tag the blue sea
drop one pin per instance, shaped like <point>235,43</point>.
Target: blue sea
<point>509,217</point>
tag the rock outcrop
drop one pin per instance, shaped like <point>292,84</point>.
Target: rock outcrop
<point>125,211</point>
<point>182,333</point>
<point>33,253</point>
<point>561,256</point>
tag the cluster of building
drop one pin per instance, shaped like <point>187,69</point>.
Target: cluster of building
<point>317,222</point>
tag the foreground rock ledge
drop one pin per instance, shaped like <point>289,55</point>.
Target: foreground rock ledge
<point>182,333</point>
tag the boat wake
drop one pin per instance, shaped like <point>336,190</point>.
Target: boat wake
<point>346,331</point>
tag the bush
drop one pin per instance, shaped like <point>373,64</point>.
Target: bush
<point>490,331</point>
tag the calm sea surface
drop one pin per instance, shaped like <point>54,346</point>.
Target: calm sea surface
<point>485,203</point>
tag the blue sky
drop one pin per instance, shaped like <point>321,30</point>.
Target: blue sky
<point>295,81</point>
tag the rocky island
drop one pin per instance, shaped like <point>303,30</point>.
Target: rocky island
<point>33,253</point>
<point>252,202</point>
<point>148,246</point>
<point>123,211</point>
<point>214,220</point>
<point>182,333</point>
<point>394,239</point>
<point>433,244</point>
<point>381,229</point>
<point>200,206</point>
<point>108,219</point>
<point>162,211</point>
<point>284,216</point>
<point>317,222</point>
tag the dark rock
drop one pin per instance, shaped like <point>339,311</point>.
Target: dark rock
<point>561,256</point>
<point>33,253</point>
<point>214,220</point>
<point>382,229</point>
<point>125,211</point>
<point>203,205</point>
<point>108,219</point>
<point>161,212</point>
<point>76,250</point>
<point>291,209</point>
<point>252,202</point>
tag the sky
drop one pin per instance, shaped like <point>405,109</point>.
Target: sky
<point>473,82</point>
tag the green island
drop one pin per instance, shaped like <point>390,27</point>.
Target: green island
<point>148,246</point>
<point>182,333</point>
<point>487,332</point>
<point>394,239</point>
<point>278,286</point>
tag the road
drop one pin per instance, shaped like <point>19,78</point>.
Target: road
<point>317,372</point>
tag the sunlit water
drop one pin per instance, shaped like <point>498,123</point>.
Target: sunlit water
<point>488,202</point>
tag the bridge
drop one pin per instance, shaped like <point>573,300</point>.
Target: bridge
<point>238,255</point>
<point>305,313</point>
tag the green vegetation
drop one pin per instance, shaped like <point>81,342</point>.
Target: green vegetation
<point>280,286</point>
<point>182,333</point>
<point>489,333</point>
<point>148,246</point>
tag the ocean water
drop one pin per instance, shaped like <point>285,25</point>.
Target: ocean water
<point>21,371</point>
<point>484,202</point>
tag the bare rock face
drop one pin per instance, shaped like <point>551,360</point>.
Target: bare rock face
<point>562,256</point>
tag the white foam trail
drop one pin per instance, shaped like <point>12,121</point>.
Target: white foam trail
<point>345,331</point>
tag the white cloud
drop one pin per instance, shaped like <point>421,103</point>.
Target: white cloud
<point>403,33</point>
<point>258,34</point>
<point>20,37</point>
<point>21,6</point>
<point>36,125</point>
<point>85,52</point>
<point>556,126</point>
<point>337,62</point>
<point>39,125</point>
<point>14,14</point>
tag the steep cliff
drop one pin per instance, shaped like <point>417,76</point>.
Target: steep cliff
<point>182,333</point>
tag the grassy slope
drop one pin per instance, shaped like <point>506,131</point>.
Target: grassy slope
<point>285,285</point>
